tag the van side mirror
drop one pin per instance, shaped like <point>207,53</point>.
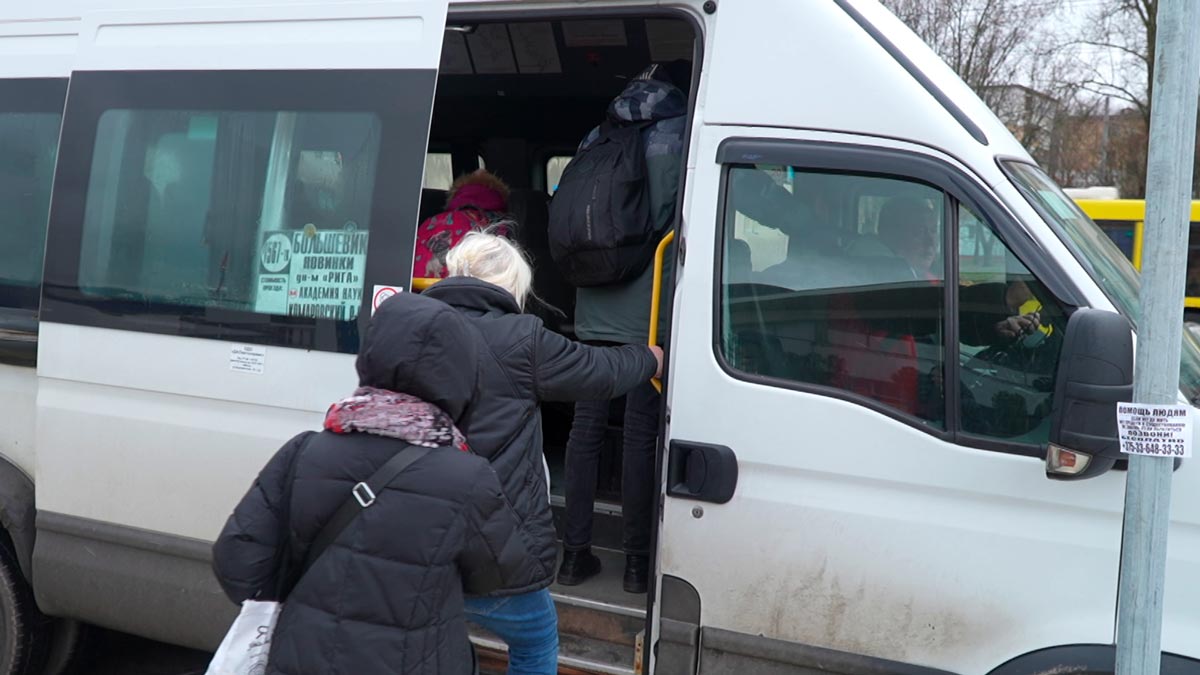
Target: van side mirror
<point>1095,372</point>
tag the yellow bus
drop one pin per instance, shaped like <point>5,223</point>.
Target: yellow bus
<point>1123,220</point>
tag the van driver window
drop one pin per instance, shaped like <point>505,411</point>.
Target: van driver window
<point>1010,334</point>
<point>837,280</point>
<point>257,211</point>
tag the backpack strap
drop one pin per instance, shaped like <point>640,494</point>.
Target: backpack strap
<point>362,496</point>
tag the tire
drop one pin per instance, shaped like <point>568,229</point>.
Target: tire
<point>67,642</point>
<point>22,626</point>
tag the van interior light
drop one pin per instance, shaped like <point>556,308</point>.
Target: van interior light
<point>461,28</point>
<point>1062,461</point>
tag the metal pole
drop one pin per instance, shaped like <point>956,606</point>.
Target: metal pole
<point>1168,204</point>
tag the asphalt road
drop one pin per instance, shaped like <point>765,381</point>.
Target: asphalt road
<point>112,653</point>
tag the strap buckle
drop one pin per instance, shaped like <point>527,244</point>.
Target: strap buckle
<point>363,494</point>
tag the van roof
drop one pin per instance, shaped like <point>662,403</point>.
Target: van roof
<point>846,65</point>
<point>39,39</point>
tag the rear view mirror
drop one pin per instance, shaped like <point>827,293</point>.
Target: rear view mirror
<point>1095,372</point>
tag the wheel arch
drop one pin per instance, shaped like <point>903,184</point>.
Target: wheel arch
<point>17,513</point>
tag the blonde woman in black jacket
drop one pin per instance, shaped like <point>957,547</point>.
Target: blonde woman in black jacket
<point>523,363</point>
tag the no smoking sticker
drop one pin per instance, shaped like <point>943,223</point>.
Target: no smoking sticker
<point>381,294</point>
<point>1155,430</point>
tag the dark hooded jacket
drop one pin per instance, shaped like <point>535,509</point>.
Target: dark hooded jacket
<point>387,595</point>
<point>523,363</point>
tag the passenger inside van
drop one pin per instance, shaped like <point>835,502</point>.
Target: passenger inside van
<point>477,201</point>
<point>908,227</point>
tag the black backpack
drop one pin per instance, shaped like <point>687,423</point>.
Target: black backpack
<point>601,230</point>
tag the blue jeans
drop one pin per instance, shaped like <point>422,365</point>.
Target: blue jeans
<point>527,623</point>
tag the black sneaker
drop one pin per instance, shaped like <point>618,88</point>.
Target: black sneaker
<point>577,567</point>
<point>637,573</point>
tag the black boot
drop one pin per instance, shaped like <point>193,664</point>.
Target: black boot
<point>577,567</point>
<point>637,573</point>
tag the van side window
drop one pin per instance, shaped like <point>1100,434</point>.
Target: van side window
<point>1010,330</point>
<point>837,280</point>
<point>30,115</point>
<point>267,212</point>
<point>554,171</point>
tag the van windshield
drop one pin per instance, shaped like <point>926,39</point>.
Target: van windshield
<point>1103,260</point>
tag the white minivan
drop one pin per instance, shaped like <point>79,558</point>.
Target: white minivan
<point>865,468</point>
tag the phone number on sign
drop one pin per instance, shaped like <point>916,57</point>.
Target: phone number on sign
<point>1155,448</point>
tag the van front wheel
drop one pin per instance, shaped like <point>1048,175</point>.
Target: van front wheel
<point>21,624</point>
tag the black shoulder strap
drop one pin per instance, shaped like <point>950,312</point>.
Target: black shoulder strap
<point>361,497</point>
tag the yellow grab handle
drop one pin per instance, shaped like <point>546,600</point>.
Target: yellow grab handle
<point>656,296</point>
<point>422,283</point>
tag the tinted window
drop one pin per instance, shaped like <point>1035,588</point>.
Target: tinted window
<point>30,115</point>
<point>1122,234</point>
<point>554,171</point>
<point>837,280</point>
<point>251,206</point>
<point>258,211</point>
<point>1010,332</point>
<point>439,173</point>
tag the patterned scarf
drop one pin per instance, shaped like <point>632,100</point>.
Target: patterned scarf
<point>394,415</point>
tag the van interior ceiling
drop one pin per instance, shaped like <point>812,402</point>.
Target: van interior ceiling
<point>517,97</point>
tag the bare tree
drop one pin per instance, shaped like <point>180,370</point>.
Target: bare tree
<point>989,43</point>
<point>1008,53</point>
<point>1120,38</point>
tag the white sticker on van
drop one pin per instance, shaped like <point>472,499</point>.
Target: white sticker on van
<point>1155,430</point>
<point>272,295</point>
<point>381,294</point>
<point>248,359</point>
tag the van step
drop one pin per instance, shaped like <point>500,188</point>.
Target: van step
<point>598,623</point>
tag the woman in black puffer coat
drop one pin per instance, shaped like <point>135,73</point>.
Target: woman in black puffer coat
<point>522,364</point>
<point>387,595</point>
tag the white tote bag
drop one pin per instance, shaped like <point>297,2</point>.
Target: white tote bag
<point>247,645</point>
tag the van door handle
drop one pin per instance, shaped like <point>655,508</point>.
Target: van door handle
<point>701,472</point>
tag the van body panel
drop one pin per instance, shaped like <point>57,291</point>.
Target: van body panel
<point>283,36</point>
<point>18,395</point>
<point>148,432</point>
<point>37,42</point>
<point>39,39</point>
<point>195,444</point>
<point>953,579</point>
<point>857,79</point>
